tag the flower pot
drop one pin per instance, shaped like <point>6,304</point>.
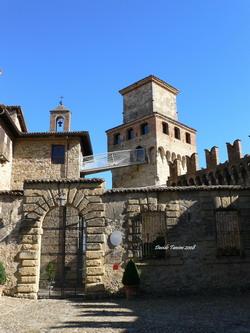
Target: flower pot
<point>131,291</point>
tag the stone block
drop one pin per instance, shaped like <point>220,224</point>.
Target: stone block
<point>94,247</point>
<point>172,207</point>
<point>172,221</point>
<point>94,199</point>
<point>28,255</point>
<point>133,208</point>
<point>95,238</point>
<point>71,195</point>
<point>94,215</point>
<point>27,271</point>
<point>30,247</point>
<point>133,202</point>
<point>27,263</point>
<point>83,204</point>
<point>94,271</point>
<point>27,279</point>
<point>95,230</point>
<point>96,207</point>
<point>94,263</point>
<point>93,279</point>
<point>172,213</point>
<point>98,222</point>
<point>27,288</point>
<point>143,201</point>
<point>94,254</point>
<point>152,200</point>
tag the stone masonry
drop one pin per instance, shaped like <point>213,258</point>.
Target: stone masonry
<point>39,198</point>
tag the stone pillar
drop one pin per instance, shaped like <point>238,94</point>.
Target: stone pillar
<point>212,157</point>
<point>234,152</point>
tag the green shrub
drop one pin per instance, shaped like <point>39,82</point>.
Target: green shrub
<point>51,271</point>
<point>3,276</point>
<point>131,275</point>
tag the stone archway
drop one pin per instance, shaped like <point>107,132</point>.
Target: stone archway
<point>63,248</point>
<point>41,197</point>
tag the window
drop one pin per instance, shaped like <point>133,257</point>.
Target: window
<point>117,139</point>
<point>188,138</point>
<point>228,233</point>
<point>130,134</point>
<point>165,128</point>
<point>144,128</point>
<point>149,235</point>
<point>60,124</point>
<point>58,154</point>
<point>177,133</point>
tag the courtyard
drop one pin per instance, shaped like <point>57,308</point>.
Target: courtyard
<point>196,314</point>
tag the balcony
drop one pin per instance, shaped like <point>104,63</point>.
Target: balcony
<point>108,161</point>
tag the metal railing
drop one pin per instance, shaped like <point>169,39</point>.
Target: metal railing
<point>111,160</point>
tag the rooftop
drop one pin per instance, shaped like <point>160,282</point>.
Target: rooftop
<point>150,78</point>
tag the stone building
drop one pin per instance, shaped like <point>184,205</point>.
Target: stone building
<point>150,121</point>
<point>56,225</point>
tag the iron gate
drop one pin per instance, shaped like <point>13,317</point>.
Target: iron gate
<point>63,250</point>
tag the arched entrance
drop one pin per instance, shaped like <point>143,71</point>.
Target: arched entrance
<point>63,248</point>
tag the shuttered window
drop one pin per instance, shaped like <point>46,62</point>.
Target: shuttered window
<point>228,232</point>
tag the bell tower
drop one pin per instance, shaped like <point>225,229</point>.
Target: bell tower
<point>60,119</point>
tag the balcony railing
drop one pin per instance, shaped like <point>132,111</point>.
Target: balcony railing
<point>111,160</point>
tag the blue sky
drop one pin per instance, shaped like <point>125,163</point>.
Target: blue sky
<point>88,50</point>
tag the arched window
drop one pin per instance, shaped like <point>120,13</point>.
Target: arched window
<point>117,139</point>
<point>177,133</point>
<point>60,124</point>
<point>140,154</point>
<point>165,129</point>
<point>130,134</point>
<point>144,128</point>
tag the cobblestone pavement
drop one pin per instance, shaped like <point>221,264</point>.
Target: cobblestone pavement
<point>196,314</point>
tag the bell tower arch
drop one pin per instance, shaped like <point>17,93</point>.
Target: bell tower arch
<point>60,119</point>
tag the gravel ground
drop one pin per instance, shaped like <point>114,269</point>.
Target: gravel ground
<point>196,314</point>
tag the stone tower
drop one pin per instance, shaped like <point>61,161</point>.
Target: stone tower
<point>150,121</point>
<point>60,119</point>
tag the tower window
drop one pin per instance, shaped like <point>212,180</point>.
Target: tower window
<point>188,138</point>
<point>165,128</point>
<point>144,128</point>
<point>58,154</point>
<point>130,134</point>
<point>177,133</point>
<point>117,139</point>
<point>60,124</point>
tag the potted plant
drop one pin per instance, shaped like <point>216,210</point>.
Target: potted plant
<point>3,278</point>
<point>131,279</point>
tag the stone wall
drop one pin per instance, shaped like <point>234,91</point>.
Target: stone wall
<point>164,102</point>
<point>190,221</point>
<point>32,160</point>
<point>6,148</point>
<point>10,222</point>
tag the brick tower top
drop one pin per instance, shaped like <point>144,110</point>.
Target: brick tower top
<point>147,96</point>
<point>60,119</point>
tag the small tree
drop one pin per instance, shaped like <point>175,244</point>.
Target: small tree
<point>51,271</point>
<point>3,276</point>
<point>131,275</point>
